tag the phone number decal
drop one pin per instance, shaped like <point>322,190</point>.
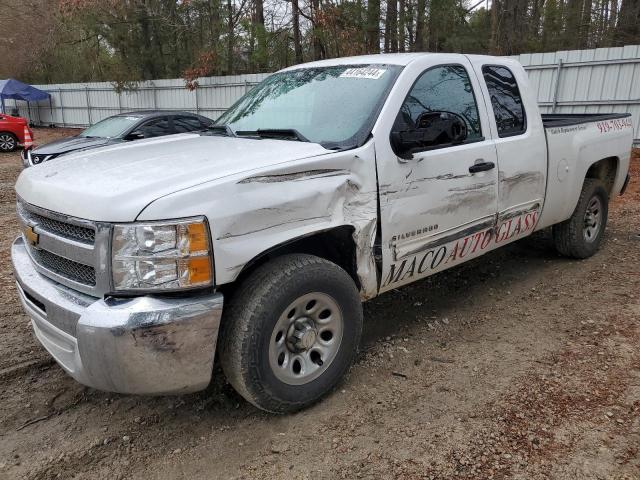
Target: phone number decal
<point>613,125</point>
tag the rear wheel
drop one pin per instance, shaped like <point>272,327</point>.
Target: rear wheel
<point>581,235</point>
<point>290,332</point>
<point>8,142</point>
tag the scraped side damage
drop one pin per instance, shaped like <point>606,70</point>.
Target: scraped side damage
<point>458,248</point>
<point>288,177</point>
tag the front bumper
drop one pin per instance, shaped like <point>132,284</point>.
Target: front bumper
<point>142,345</point>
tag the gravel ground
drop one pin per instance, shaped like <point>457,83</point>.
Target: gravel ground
<point>520,364</point>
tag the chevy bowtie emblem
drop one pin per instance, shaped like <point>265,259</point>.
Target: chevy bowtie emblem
<point>31,236</point>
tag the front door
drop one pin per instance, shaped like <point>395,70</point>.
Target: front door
<point>438,203</point>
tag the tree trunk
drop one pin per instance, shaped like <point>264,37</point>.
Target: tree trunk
<point>574,23</point>
<point>628,30</point>
<point>317,41</point>
<point>391,27</point>
<point>534,25</point>
<point>214,28</point>
<point>434,23</point>
<point>411,38</point>
<point>373,26</point>
<point>420,24</point>
<point>402,25</point>
<point>494,48</point>
<point>258,55</point>
<point>585,26</point>
<point>148,64</point>
<point>387,30</point>
<point>297,45</point>
<point>230,38</point>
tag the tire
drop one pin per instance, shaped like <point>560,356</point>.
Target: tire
<point>581,235</point>
<point>266,329</point>
<point>8,142</point>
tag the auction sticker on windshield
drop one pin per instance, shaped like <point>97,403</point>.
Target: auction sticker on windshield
<point>363,72</point>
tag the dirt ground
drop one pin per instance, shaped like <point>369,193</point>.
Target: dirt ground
<point>520,364</point>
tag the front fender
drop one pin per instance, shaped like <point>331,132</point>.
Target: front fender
<point>254,212</point>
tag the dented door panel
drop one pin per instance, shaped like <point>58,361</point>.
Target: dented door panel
<point>522,176</point>
<point>438,198</point>
<point>431,202</point>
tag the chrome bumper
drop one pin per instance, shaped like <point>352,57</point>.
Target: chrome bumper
<point>142,345</point>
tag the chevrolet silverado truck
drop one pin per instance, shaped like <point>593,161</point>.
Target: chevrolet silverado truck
<point>255,243</point>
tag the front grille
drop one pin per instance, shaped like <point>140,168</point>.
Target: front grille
<point>63,229</point>
<point>66,249</point>
<point>69,269</point>
<point>67,230</point>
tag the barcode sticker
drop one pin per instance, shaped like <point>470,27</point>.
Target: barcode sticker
<point>363,72</point>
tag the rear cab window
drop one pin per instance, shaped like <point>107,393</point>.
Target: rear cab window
<point>506,101</point>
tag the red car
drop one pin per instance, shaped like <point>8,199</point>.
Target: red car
<point>12,132</point>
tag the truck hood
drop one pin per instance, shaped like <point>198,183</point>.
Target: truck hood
<point>115,183</point>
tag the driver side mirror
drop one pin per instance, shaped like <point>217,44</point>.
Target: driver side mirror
<point>135,135</point>
<point>431,129</point>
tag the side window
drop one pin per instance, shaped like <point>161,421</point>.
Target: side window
<point>186,124</point>
<point>439,95</point>
<point>156,127</point>
<point>506,100</point>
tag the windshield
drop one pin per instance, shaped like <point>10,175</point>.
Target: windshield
<point>111,127</point>
<point>327,105</point>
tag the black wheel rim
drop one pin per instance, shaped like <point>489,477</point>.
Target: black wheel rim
<point>7,143</point>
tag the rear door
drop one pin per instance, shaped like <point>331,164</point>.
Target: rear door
<point>520,143</point>
<point>437,208</point>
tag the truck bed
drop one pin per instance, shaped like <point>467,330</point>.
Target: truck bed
<point>550,120</point>
<point>574,143</point>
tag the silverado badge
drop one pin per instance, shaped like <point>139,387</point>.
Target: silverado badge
<point>30,235</point>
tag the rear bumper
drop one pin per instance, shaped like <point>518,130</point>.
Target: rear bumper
<point>143,345</point>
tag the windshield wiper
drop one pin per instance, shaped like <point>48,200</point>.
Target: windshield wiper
<point>221,130</point>
<point>279,133</point>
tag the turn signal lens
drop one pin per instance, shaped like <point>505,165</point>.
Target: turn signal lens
<point>199,270</point>
<point>198,238</point>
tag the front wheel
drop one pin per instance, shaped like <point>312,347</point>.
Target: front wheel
<point>581,235</point>
<point>290,332</point>
<point>8,142</point>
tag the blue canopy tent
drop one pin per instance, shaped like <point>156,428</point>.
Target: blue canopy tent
<point>16,90</point>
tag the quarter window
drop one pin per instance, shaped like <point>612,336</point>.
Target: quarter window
<point>441,89</point>
<point>505,100</point>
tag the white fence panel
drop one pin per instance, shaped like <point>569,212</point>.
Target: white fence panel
<point>83,104</point>
<point>602,80</point>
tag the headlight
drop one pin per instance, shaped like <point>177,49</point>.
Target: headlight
<point>161,256</point>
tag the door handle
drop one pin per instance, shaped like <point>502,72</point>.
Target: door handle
<point>481,167</point>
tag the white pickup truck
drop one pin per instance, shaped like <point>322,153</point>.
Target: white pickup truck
<point>324,186</point>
